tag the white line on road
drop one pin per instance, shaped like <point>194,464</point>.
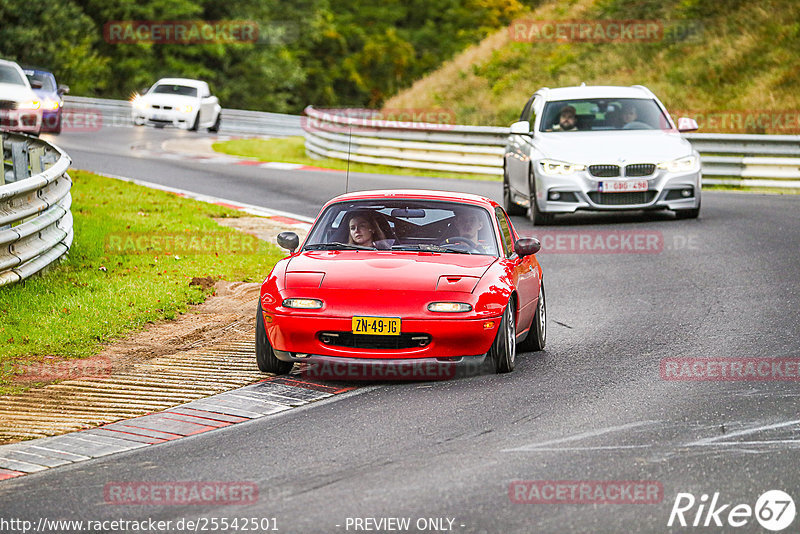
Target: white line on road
<point>582,435</point>
<point>706,441</point>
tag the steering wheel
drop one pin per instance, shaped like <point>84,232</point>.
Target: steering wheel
<point>637,125</point>
<point>455,240</point>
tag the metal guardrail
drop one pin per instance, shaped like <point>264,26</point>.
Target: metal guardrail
<point>741,159</point>
<point>761,160</point>
<point>35,218</point>
<point>88,113</point>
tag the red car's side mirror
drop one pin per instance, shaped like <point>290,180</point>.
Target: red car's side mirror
<point>527,246</point>
<point>288,240</point>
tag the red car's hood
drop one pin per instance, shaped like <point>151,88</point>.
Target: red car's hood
<point>409,271</point>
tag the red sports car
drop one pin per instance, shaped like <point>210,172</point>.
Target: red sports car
<point>401,277</point>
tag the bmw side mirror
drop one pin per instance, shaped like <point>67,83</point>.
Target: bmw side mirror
<point>63,89</point>
<point>521,128</point>
<point>288,240</point>
<point>686,124</point>
<point>527,246</point>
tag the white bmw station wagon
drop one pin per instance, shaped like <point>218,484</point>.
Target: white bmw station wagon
<point>599,148</point>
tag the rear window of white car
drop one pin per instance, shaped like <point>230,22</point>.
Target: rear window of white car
<point>10,75</point>
<point>170,89</point>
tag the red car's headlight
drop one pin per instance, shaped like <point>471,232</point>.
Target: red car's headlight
<point>449,307</point>
<point>303,304</point>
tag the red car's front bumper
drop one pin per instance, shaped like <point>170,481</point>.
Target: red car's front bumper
<point>447,338</point>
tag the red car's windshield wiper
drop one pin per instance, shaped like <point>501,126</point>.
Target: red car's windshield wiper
<point>430,248</point>
<point>336,246</point>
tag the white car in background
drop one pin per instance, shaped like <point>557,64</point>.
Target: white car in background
<point>179,102</point>
<point>599,148</point>
<point>20,108</point>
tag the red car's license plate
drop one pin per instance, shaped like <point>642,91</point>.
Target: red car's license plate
<point>622,186</point>
<point>381,326</point>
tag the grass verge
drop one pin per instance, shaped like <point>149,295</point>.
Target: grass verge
<point>134,254</point>
<point>749,189</point>
<point>292,150</point>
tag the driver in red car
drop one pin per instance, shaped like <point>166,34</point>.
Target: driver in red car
<point>468,224</point>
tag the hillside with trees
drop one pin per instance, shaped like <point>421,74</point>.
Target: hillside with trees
<point>324,52</point>
<point>733,65</point>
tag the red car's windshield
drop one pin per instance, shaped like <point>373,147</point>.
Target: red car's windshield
<point>396,224</point>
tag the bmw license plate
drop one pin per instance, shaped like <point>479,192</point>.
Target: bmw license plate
<point>622,186</point>
<point>381,326</point>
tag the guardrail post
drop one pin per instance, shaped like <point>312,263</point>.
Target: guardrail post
<point>36,155</point>
<point>3,159</point>
<point>19,160</point>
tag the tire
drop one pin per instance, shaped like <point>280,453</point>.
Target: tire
<point>511,207</point>
<point>196,123</point>
<point>265,357</point>
<point>537,335</point>
<point>57,129</point>
<point>504,350</point>
<point>687,214</point>
<point>536,216</point>
<point>215,127</point>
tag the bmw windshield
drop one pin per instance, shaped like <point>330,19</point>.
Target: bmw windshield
<point>603,114</point>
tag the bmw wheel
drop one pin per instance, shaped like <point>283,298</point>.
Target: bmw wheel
<point>687,214</point>
<point>504,348</point>
<point>196,122</point>
<point>535,215</point>
<point>511,207</point>
<point>215,127</point>
<point>265,356</point>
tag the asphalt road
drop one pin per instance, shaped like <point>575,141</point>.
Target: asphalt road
<point>594,406</point>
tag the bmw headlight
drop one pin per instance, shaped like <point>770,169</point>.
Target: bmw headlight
<point>138,102</point>
<point>50,104</point>
<point>302,304</point>
<point>186,108</point>
<point>559,168</point>
<point>687,164</point>
<point>30,104</point>
<point>449,307</point>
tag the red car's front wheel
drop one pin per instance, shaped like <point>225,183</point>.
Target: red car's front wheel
<point>265,356</point>
<point>504,349</point>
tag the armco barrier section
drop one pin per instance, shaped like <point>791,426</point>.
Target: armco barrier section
<point>756,160</point>
<point>35,217</point>
<point>86,113</point>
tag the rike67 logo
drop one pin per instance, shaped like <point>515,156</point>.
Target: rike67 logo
<point>774,510</point>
